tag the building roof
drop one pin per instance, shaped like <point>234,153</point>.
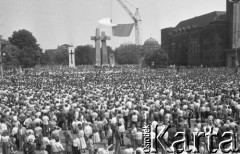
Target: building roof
<point>202,20</point>
<point>151,41</point>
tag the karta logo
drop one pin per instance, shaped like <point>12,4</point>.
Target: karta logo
<point>227,141</point>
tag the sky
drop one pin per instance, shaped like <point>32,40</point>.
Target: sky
<point>57,22</point>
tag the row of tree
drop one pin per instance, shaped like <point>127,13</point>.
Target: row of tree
<point>84,55</point>
<point>22,49</point>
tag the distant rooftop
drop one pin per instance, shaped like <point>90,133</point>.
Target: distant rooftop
<point>203,20</point>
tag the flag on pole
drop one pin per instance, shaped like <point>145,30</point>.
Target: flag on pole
<point>122,30</point>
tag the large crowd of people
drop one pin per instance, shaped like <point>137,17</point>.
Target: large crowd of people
<point>56,110</point>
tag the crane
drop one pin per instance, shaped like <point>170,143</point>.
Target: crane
<point>136,18</point>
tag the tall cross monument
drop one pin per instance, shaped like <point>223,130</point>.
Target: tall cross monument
<point>96,38</point>
<point>104,39</point>
<point>71,52</point>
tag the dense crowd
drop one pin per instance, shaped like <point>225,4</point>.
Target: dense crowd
<point>96,111</point>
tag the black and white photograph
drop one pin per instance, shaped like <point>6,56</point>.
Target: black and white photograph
<point>119,76</point>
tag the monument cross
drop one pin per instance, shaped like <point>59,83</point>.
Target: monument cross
<point>104,39</point>
<point>71,54</point>
<point>96,38</point>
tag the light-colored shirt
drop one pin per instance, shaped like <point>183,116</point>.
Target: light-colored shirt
<point>57,147</point>
<point>134,118</point>
<point>38,131</point>
<point>37,120</point>
<point>128,151</point>
<point>3,127</point>
<point>88,130</point>
<point>46,141</point>
<point>14,130</point>
<point>140,149</point>
<point>139,135</point>
<point>76,142</point>
<point>45,120</point>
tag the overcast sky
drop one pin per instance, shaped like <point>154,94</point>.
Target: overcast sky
<point>56,22</point>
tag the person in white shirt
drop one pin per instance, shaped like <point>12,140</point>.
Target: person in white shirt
<point>133,136</point>
<point>125,117</point>
<point>139,150</point>
<point>38,130</point>
<point>121,130</point>
<point>45,122</point>
<point>154,125</point>
<point>153,138</point>
<point>37,120</point>
<point>28,122</point>
<point>88,130</point>
<point>134,119</point>
<point>128,150</point>
<point>57,147</point>
<point>15,130</point>
<point>106,149</point>
<point>75,124</point>
<point>56,132</point>
<point>45,141</point>
<point>114,120</point>
<point>139,137</point>
<point>76,144</point>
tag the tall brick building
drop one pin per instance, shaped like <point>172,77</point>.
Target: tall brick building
<point>204,40</point>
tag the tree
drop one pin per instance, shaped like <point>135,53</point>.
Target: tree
<point>11,55</point>
<point>84,55</point>
<point>159,57</point>
<point>127,54</point>
<point>27,57</point>
<point>23,39</point>
<point>62,57</point>
<point>44,59</point>
<point>27,44</point>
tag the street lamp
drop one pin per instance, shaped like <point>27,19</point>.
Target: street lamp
<point>236,54</point>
